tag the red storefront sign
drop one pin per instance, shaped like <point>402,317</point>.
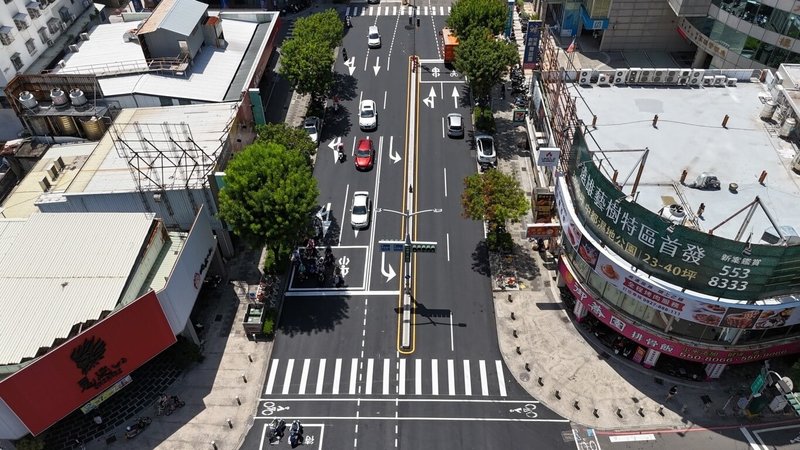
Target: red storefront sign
<point>58,383</point>
<point>670,347</point>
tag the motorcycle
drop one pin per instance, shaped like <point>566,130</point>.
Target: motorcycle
<point>347,22</point>
<point>174,403</point>
<point>296,434</point>
<point>341,154</point>
<point>520,101</point>
<point>276,430</point>
<point>141,423</point>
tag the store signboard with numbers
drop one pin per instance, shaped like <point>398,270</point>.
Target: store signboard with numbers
<point>532,38</point>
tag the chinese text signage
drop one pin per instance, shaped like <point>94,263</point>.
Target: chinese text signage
<point>530,58</point>
<point>680,255</point>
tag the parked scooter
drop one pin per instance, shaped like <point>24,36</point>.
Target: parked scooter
<point>133,430</point>
<point>296,434</point>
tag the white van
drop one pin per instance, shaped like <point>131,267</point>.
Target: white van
<point>373,37</point>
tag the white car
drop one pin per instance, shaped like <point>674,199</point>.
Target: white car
<point>486,156</point>
<point>373,37</point>
<point>359,215</point>
<point>313,125</point>
<point>367,115</point>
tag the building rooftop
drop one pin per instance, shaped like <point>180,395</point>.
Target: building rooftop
<point>179,16</point>
<point>61,269</point>
<point>121,67</point>
<point>690,136</point>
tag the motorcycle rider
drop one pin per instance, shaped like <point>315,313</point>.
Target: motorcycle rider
<point>340,150</point>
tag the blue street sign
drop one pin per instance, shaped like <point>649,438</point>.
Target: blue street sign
<point>385,247</point>
<point>391,246</point>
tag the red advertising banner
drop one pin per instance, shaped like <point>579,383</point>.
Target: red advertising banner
<point>60,382</point>
<point>663,345</point>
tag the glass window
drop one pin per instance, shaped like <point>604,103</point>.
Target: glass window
<point>778,20</point>
<point>733,39</point>
<point>749,12</point>
<point>777,57</point>
<point>614,296</point>
<point>687,328</point>
<point>763,52</point>
<point>763,16</point>
<point>597,283</point>
<point>750,47</point>
<point>792,28</point>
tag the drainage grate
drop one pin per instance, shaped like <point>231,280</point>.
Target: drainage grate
<point>568,436</point>
<point>218,318</point>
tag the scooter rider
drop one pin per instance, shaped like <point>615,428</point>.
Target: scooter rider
<point>340,149</point>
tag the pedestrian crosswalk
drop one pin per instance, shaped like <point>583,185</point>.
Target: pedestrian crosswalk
<point>385,376</point>
<point>397,10</point>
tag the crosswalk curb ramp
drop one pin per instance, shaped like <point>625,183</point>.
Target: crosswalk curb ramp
<point>385,377</point>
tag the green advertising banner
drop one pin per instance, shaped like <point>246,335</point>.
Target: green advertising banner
<point>680,255</point>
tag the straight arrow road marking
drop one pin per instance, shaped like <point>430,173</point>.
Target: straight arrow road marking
<point>320,376</point>
<point>455,97</point>
<point>377,66</point>
<point>337,375</point>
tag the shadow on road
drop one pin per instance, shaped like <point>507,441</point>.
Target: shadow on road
<point>312,315</point>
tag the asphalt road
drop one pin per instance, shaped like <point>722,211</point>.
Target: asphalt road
<point>336,363</point>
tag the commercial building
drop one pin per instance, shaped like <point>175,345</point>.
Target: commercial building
<point>723,34</point>
<point>681,239</point>
<point>87,298</point>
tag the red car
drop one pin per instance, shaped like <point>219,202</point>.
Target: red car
<point>365,154</point>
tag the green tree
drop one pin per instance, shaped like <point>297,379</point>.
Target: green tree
<point>484,60</point>
<point>324,26</point>
<point>293,139</point>
<point>494,197</point>
<point>30,443</point>
<point>469,16</point>
<point>306,64</point>
<point>269,196</point>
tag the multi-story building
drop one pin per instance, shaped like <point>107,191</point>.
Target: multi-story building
<point>724,34</point>
<point>29,28</point>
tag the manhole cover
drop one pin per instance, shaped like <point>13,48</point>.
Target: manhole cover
<point>525,376</point>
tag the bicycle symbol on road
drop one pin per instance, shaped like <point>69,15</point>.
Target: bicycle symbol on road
<point>454,74</point>
<point>529,410</point>
<point>269,408</point>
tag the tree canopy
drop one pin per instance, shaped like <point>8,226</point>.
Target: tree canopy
<point>269,195</point>
<point>494,197</point>
<point>306,64</point>
<point>469,16</point>
<point>324,26</point>
<point>293,139</point>
<point>484,60</point>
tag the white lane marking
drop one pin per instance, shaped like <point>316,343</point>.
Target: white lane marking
<point>385,93</point>
<point>633,438</point>
<point>271,380</point>
<point>375,194</point>
<point>435,376</point>
<point>451,377</point>
<point>368,383</point>
<point>391,45</point>
<point>338,293</point>
<point>402,383</point>
<point>344,210</point>
<point>353,375</point>
<point>484,381</point>
<point>418,377</point>
<point>452,342</point>
<point>287,380</point>
<point>437,419</point>
<point>443,133</point>
<point>445,182</point>
<point>750,440</point>
<point>337,375</point>
<point>448,259</point>
<point>320,376</point>
<point>467,379</point>
<point>304,376</point>
<point>501,379</point>
<point>386,376</point>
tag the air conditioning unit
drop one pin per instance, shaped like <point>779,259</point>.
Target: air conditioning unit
<point>61,63</point>
<point>84,36</point>
<point>698,73</point>
<point>73,48</point>
<point>720,80</point>
<point>683,81</point>
<point>584,77</point>
<point>696,80</point>
<point>730,82</point>
<point>672,77</point>
<point>708,80</point>
<point>633,75</point>
<point>49,42</point>
<point>604,79</point>
<point>685,73</point>
<point>645,76</point>
<point>620,76</point>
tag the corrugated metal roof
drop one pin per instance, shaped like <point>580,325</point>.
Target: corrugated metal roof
<point>179,16</point>
<point>61,269</point>
<point>107,170</point>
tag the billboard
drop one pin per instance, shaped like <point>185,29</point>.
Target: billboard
<point>716,355</point>
<point>680,255</point>
<point>63,380</point>
<point>533,37</point>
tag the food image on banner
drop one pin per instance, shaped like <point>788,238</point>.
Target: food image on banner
<point>740,318</point>
<point>707,313</point>
<point>773,319</point>
<point>588,252</point>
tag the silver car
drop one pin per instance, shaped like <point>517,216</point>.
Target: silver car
<point>455,125</point>
<point>487,157</point>
<point>359,215</point>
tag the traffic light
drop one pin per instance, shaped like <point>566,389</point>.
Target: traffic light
<point>424,247</point>
<point>794,402</point>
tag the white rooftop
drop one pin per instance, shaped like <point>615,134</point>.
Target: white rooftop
<point>690,136</point>
<point>212,72</point>
<point>60,269</point>
<point>107,170</point>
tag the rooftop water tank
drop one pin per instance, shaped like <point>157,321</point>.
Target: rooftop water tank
<point>58,97</point>
<point>77,97</point>
<point>28,100</point>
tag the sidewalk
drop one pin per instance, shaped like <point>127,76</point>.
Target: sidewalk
<point>568,370</point>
